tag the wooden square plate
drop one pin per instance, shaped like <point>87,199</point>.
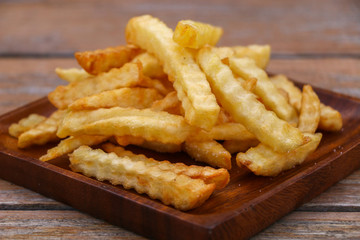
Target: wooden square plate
<point>247,205</point>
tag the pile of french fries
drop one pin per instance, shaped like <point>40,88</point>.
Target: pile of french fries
<point>173,91</point>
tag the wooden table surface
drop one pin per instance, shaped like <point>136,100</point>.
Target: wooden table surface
<point>315,42</point>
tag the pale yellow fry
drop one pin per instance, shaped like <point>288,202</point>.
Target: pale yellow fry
<point>42,133</point>
<point>262,160</point>
<point>229,131</point>
<point>151,65</point>
<point>294,93</point>
<point>152,126</point>
<point>209,175</point>
<point>127,76</point>
<point>330,119</point>
<point>157,84</point>
<point>123,97</point>
<point>195,35</point>
<point>128,139</point>
<point>70,144</point>
<point>264,88</point>
<point>235,146</point>
<point>180,191</point>
<point>210,152</point>
<point>201,108</point>
<point>259,53</point>
<point>25,124</point>
<point>310,111</point>
<point>170,103</point>
<point>161,147</point>
<point>245,108</point>
<point>102,60</point>
<point>72,74</point>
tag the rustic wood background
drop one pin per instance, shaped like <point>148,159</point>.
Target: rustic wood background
<point>315,42</point>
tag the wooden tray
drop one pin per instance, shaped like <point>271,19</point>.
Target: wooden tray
<point>246,206</point>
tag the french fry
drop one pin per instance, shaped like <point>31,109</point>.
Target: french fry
<point>310,110</point>
<point>264,88</point>
<point>330,119</point>
<point>102,60</point>
<point>152,126</point>
<point>25,124</point>
<point>151,65</point>
<point>230,131</point>
<point>124,97</point>
<point>208,174</point>
<point>235,146</point>
<point>128,139</point>
<point>42,133</point>
<point>70,144</point>
<point>157,84</point>
<point>127,76</point>
<point>195,35</point>
<point>72,74</point>
<point>179,190</point>
<point>170,103</point>
<point>210,152</point>
<point>263,160</point>
<point>161,147</point>
<point>149,33</point>
<point>245,108</point>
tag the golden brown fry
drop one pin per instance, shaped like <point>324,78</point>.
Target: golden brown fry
<point>161,147</point>
<point>25,124</point>
<point>264,161</point>
<point>264,88</point>
<point>310,110</point>
<point>208,174</point>
<point>210,152</point>
<point>179,190</point>
<point>152,126</point>
<point>128,139</point>
<point>245,108</point>
<point>235,146</point>
<point>170,103</point>
<point>124,97</point>
<point>195,35</point>
<point>330,119</point>
<point>128,76</point>
<point>102,60</point>
<point>151,65</point>
<point>72,74</point>
<point>229,131</point>
<point>70,144</point>
<point>157,84</point>
<point>201,108</point>
<point>42,133</point>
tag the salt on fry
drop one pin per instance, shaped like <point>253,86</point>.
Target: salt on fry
<point>149,33</point>
<point>102,60</point>
<point>25,124</point>
<point>310,110</point>
<point>245,108</point>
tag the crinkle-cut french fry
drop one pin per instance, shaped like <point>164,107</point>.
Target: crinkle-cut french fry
<point>155,83</point>
<point>42,133</point>
<point>123,97</point>
<point>201,108</point>
<point>294,93</point>
<point>245,108</point>
<point>235,146</point>
<point>210,152</point>
<point>259,53</point>
<point>310,110</point>
<point>127,76</point>
<point>25,124</point>
<point>152,126</point>
<point>264,88</point>
<point>70,144</point>
<point>170,103</point>
<point>250,84</point>
<point>263,160</point>
<point>330,119</point>
<point>229,131</point>
<point>151,65</point>
<point>72,74</point>
<point>102,60</point>
<point>178,190</point>
<point>161,147</point>
<point>209,175</point>
<point>224,117</point>
<point>128,139</point>
<point>195,35</point>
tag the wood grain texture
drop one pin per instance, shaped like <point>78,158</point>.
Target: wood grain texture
<point>43,27</point>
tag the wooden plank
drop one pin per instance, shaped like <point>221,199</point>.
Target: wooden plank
<point>314,225</point>
<point>325,26</point>
<point>58,224</point>
<point>24,80</point>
